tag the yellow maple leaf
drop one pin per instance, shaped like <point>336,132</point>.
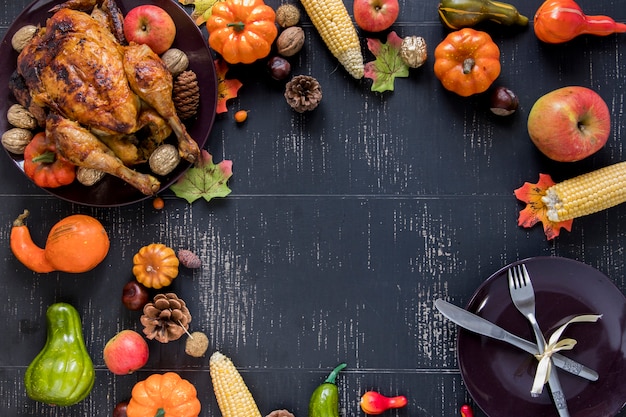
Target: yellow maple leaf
<point>202,9</point>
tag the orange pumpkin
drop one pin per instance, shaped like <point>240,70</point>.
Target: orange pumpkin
<point>467,62</point>
<point>242,31</point>
<point>164,395</point>
<point>155,265</point>
<point>75,244</point>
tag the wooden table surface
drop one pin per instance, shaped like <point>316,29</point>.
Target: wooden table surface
<point>343,226</point>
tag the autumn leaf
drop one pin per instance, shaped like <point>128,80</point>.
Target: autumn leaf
<point>204,180</point>
<point>388,64</point>
<point>226,88</point>
<point>536,210</point>
<point>202,9</point>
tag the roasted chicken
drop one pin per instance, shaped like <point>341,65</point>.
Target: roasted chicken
<point>108,105</point>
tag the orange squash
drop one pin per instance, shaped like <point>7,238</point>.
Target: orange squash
<point>242,31</point>
<point>155,265</point>
<point>164,395</point>
<point>467,62</point>
<point>77,243</point>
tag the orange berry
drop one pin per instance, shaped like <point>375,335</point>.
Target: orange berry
<point>241,116</point>
<point>158,203</point>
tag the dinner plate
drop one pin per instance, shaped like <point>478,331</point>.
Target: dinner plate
<point>499,377</point>
<point>111,191</point>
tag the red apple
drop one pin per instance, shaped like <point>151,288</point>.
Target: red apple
<point>569,124</point>
<point>150,25</point>
<point>375,15</point>
<point>126,352</point>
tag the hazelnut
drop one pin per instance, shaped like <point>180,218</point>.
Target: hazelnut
<point>88,176</point>
<point>164,159</point>
<point>19,116</point>
<point>413,51</point>
<point>503,102</point>
<point>287,15</point>
<point>175,60</point>
<point>21,38</point>
<point>197,344</point>
<point>290,41</point>
<point>16,139</point>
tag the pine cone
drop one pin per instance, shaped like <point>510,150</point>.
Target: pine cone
<point>303,93</point>
<point>166,318</point>
<point>186,94</point>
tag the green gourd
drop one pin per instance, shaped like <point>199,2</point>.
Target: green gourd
<point>457,14</point>
<point>62,373</point>
<point>324,401</point>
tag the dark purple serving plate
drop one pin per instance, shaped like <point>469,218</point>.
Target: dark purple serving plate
<point>112,191</point>
<point>499,377</point>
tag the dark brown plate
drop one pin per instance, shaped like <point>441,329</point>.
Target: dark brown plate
<point>499,377</point>
<point>112,191</point>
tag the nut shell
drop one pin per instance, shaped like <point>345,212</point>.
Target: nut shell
<point>16,139</point>
<point>21,38</point>
<point>88,176</point>
<point>290,41</point>
<point>164,159</point>
<point>19,116</point>
<point>175,60</point>
<point>413,51</point>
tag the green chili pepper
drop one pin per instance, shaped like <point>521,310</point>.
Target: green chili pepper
<point>457,14</point>
<point>325,399</point>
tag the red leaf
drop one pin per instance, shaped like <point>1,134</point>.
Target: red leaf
<point>226,88</point>
<point>536,210</point>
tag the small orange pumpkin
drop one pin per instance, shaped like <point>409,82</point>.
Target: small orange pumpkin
<point>75,244</point>
<point>155,265</point>
<point>164,395</point>
<point>242,31</point>
<point>467,62</point>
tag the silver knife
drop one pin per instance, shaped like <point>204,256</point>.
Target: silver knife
<point>484,327</point>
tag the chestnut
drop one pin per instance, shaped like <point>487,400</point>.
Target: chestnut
<point>120,409</point>
<point>503,101</point>
<point>134,295</point>
<point>279,68</point>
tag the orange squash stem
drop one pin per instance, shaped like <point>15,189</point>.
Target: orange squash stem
<point>25,250</point>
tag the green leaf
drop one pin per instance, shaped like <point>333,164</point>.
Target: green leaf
<point>204,180</point>
<point>388,64</point>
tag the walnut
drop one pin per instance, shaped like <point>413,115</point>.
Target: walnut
<point>280,413</point>
<point>175,60</point>
<point>287,15</point>
<point>413,51</point>
<point>290,41</point>
<point>164,159</point>
<point>88,176</point>
<point>303,93</point>
<point>15,140</point>
<point>19,116</point>
<point>21,38</point>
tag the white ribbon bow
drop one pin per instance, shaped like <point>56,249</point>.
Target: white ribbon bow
<point>555,345</point>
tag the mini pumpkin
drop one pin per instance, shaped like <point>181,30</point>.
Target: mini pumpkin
<point>467,62</point>
<point>242,31</point>
<point>155,265</point>
<point>164,395</point>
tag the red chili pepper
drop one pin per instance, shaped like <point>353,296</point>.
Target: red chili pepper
<point>558,21</point>
<point>466,411</point>
<point>375,403</point>
<point>44,166</point>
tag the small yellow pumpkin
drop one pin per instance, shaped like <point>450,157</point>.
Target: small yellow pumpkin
<point>155,265</point>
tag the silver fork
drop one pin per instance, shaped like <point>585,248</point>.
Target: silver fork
<point>523,296</point>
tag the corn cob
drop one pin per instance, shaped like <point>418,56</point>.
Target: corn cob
<point>587,193</point>
<point>233,397</point>
<point>331,19</point>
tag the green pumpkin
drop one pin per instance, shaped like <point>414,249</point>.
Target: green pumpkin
<point>457,14</point>
<point>62,373</point>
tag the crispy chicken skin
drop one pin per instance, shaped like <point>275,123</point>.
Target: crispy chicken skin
<point>78,70</point>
